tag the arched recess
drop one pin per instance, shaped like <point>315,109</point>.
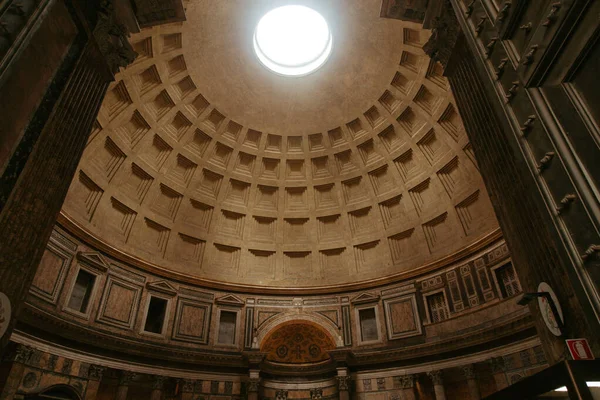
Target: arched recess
<point>317,319</point>
<point>56,392</point>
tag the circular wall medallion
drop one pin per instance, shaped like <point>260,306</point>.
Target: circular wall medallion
<point>5,313</point>
<point>293,40</point>
<point>546,310</point>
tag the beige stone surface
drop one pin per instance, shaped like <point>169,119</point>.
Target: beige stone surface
<point>205,164</point>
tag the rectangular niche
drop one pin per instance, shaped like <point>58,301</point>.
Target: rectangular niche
<point>368,325</point>
<point>81,292</point>
<point>176,65</point>
<point>155,315</point>
<point>232,224</point>
<point>330,228</point>
<point>354,190</point>
<point>228,331</point>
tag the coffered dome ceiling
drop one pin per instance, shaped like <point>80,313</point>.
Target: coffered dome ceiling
<point>205,165</point>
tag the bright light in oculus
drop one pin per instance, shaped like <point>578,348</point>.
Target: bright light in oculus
<point>292,40</point>
<point>589,384</point>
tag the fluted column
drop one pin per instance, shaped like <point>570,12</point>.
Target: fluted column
<point>438,384</point>
<point>124,382</point>
<point>469,371</point>
<point>499,372</point>
<point>95,373</point>
<point>157,387</point>
<point>343,383</point>
<point>32,192</point>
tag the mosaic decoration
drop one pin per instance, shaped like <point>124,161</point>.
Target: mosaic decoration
<point>298,343</point>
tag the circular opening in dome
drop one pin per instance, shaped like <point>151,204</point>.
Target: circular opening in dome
<point>292,40</point>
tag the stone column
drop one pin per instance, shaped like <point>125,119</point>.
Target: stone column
<point>253,384</point>
<point>407,383</point>
<point>95,373</point>
<point>469,371</point>
<point>343,383</point>
<point>438,384</point>
<point>158,383</point>
<point>499,372</point>
<point>35,185</point>
<point>124,381</point>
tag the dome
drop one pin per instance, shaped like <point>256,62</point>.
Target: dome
<point>206,166</point>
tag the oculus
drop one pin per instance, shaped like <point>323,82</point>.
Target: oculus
<point>292,40</point>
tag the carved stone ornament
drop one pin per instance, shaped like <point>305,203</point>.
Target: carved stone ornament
<point>316,394</point>
<point>126,378</point>
<point>343,382</point>
<point>444,35</point>
<point>5,313</point>
<point>111,37</point>
<point>253,385</point>
<point>436,377</point>
<point>95,372</point>
<point>281,395</point>
<point>23,353</point>
<point>408,381</point>
<point>187,385</point>
<point>469,371</point>
<point>158,382</point>
<point>498,365</point>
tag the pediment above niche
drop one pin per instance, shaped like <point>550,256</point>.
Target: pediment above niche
<point>365,298</point>
<point>93,259</point>
<point>230,300</point>
<point>162,287</point>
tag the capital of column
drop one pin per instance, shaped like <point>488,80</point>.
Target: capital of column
<point>436,377</point>
<point>497,364</point>
<point>316,394</point>
<point>187,385</point>
<point>112,38</point>
<point>158,382</point>
<point>95,372</point>
<point>469,371</point>
<point>407,381</point>
<point>126,377</point>
<point>281,395</point>
<point>343,382</point>
<point>21,354</point>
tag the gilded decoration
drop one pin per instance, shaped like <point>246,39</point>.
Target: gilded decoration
<point>298,343</point>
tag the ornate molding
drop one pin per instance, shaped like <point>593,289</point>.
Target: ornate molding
<point>444,35</point>
<point>407,381</point>
<point>112,38</point>
<point>253,385</point>
<point>316,394</point>
<point>281,395</point>
<point>343,382</point>
<point>436,377</point>
<point>95,372</point>
<point>469,371</point>
<point>126,377</point>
